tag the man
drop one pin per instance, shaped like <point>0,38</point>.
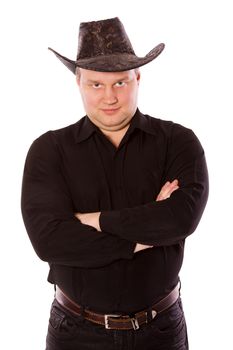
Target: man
<point>108,203</point>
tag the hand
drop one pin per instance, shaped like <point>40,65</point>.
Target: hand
<point>165,193</point>
<point>167,190</point>
<point>140,247</point>
<point>91,219</point>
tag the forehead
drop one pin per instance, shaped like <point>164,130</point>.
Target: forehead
<point>105,76</point>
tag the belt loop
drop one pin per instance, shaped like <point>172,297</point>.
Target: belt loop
<point>149,316</point>
<point>135,323</point>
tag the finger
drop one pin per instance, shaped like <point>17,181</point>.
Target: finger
<point>173,186</point>
<point>164,191</point>
<point>167,190</point>
<point>168,184</point>
<point>165,186</point>
<point>173,189</point>
<point>167,193</point>
<point>175,182</point>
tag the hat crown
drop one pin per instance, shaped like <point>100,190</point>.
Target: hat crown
<point>106,37</point>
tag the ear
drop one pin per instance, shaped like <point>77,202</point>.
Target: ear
<point>77,78</point>
<point>138,76</point>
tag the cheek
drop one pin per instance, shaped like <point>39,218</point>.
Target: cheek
<point>129,96</point>
<point>91,100</point>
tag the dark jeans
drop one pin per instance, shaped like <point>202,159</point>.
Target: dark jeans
<point>68,332</point>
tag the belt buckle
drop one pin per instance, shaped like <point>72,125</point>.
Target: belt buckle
<point>106,321</point>
<point>133,320</point>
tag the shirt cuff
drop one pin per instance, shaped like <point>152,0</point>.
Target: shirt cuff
<point>126,249</point>
<point>109,221</point>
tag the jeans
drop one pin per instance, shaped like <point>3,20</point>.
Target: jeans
<point>67,331</point>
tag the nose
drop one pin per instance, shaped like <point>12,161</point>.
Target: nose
<point>110,96</point>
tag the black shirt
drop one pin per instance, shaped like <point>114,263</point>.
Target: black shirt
<point>77,169</point>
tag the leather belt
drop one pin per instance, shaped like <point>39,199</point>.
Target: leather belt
<point>120,322</point>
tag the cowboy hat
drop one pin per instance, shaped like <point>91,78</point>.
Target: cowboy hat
<point>104,46</point>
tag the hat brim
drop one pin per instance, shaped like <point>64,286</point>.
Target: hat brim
<point>110,63</point>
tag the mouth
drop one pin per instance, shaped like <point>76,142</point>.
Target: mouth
<point>110,110</point>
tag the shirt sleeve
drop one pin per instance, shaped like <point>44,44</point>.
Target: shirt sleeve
<point>169,221</point>
<point>55,233</point>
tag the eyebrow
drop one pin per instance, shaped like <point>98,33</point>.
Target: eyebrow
<point>93,81</point>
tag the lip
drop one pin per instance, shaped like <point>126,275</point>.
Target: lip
<point>110,110</point>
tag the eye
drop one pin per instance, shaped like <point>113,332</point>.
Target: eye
<point>96,85</point>
<point>120,83</point>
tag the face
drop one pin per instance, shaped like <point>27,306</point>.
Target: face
<point>109,98</point>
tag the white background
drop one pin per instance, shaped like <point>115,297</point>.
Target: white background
<point>190,83</point>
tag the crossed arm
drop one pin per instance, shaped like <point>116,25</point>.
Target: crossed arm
<point>89,240</point>
<point>92,219</point>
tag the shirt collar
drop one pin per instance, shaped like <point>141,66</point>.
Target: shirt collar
<point>143,122</point>
<point>139,121</point>
<point>85,128</point>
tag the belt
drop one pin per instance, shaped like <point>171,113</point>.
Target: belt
<point>120,322</point>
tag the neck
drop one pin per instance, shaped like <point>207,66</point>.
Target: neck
<point>115,136</point>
